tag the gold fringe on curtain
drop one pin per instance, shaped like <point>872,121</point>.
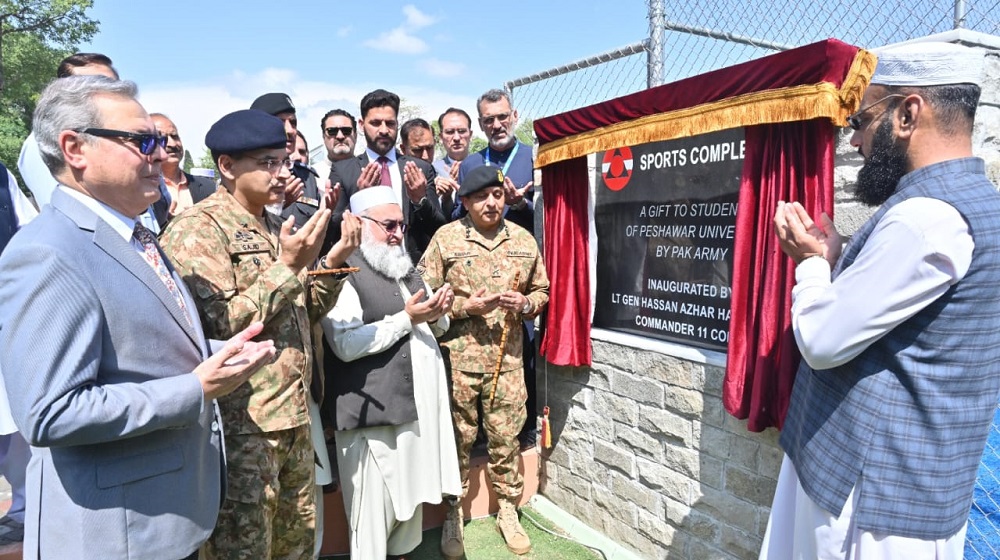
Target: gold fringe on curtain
<point>797,103</point>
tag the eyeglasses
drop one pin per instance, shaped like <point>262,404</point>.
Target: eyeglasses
<point>854,121</point>
<point>332,131</point>
<point>488,121</point>
<point>273,165</point>
<point>389,226</point>
<point>145,141</point>
<point>454,131</point>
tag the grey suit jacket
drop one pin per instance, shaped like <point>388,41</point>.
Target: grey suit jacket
<point>97,357</point>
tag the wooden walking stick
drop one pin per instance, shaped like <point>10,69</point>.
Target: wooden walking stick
<point>503,342</point>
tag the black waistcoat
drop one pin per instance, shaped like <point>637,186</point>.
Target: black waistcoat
<point>375,390</point>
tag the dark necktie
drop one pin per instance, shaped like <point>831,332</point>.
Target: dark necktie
<point>385,179</point>
<point>151,253</point>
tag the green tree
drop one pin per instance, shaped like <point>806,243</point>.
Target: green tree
<point>407,111</point>
<point>30,65</point>
<point>59,23</point>
<point>525,131</point>
<point>206,162</point>
<point>477,144</point>
<point>188,162</point>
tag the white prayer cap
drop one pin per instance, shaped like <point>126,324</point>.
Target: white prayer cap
<point>928,64</point>
<point>372,196</point>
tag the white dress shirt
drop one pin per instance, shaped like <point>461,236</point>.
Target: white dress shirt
<point>918,250</point>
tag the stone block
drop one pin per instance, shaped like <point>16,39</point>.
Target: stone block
<point>682,460</point>
<point>591,423</point>
<point>638,389</point>
<point>667,369</point>
<point>618,509</point>
<point>627,535</point>
<point>631,491</point>
<point>608,353</point>
<point>770,461</point>
<point>686,402</point>
<point>714,442</point>
<point>750,486</point>
<point>616,407</point>
<point>739,544</point>
<point>575,484</point>
<point>698,550</point>
<point>711,471</point>
<point>639,443</point>
<point>665,424</point>
<point>615,458</point>
<point>675,512</point>
<point>670,484</point>
<point>744,452</point>
<point>727,509</point>
<point>713,412</point>
<point>702,527</point>
<point>714,377</point>
<point>654,527</point>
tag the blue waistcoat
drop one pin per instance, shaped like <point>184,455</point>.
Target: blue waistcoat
<point>907,419</point>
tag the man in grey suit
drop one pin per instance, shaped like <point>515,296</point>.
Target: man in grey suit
<point>102,351</point>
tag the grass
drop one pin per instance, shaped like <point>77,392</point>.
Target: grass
<point>483,542</point>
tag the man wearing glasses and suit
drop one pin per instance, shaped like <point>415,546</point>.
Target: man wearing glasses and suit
<point>102,350</point>
<point>381,164</point>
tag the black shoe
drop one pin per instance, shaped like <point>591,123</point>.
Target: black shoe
<point>528,438</point>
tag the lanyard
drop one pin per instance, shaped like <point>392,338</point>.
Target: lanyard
<point>510,159</point>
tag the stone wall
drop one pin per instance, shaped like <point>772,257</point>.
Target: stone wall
<point>644,451</point>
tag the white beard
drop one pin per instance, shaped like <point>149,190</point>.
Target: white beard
<point>389,260</point>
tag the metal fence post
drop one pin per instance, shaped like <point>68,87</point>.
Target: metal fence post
<point>654,52</point>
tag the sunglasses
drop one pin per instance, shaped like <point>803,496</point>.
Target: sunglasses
<point>332,131</point>
<point>145,141</point>
<point>854,121</point>
<point>501,118</point>
<point>390,226</point>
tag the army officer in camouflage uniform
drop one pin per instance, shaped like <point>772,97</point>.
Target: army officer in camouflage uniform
<point>498,277</point>
<point>244,265</point>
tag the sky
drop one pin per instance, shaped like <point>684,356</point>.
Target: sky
<point>197,61</point>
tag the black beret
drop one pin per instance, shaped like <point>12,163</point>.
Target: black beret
<point>245,130</point>
<point>273,103</point>
<point>481,178</point>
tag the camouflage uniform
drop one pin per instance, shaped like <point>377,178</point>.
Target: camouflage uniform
<point>460,255</point>
<point>230,264</point>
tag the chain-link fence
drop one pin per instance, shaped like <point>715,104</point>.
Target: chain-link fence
<point>688,38</point>
<point>699,37</point>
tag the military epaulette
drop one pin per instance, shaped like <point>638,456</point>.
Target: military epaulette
<point>309,201</point>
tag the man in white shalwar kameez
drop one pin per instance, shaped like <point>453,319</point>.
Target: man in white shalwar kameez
<point>395,439</point>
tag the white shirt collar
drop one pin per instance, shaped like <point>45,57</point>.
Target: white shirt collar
<point>372,156</point>
<point>119,222</point>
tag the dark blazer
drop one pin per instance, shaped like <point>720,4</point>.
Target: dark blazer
<point>422,220</point>
<point>126,460</point>
<point>200,187</point>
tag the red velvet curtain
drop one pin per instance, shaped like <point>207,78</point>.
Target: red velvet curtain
<point>567,328</point>
<point>790,162</point>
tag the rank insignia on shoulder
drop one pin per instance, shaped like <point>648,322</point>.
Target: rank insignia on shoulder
<point>242,235</point>
<point>309,201</point>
